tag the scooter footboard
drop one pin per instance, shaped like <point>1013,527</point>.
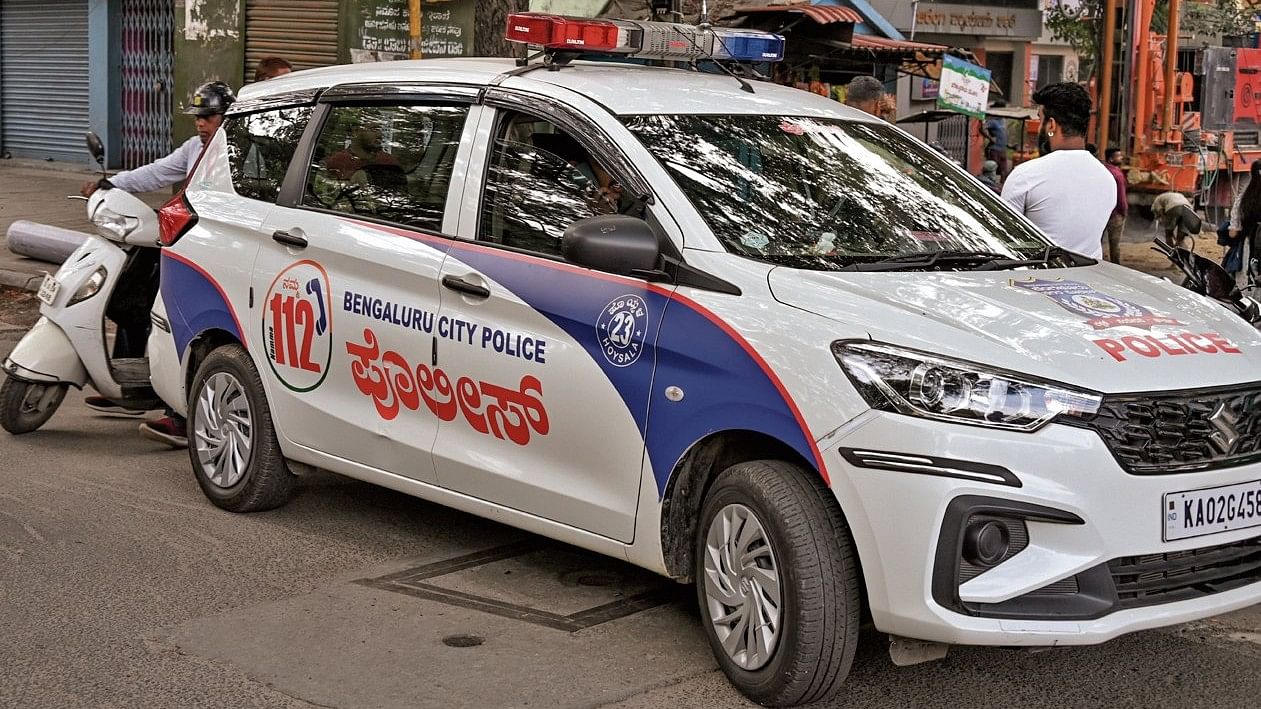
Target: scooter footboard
<point>46,355</point>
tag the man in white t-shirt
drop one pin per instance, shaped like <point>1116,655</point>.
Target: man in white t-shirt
<point>1067,193</point>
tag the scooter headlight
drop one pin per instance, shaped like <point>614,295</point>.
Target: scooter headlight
<point>90,287</point>
<point>927,386</point>
<point>112,225</point>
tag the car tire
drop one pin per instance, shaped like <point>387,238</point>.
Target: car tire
<point>231,440</point>
<point>25,406</point>
<point>799,533</point>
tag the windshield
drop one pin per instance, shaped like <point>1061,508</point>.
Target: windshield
<point>825,194</point>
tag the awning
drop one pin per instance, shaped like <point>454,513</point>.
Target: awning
<point>822,14</point>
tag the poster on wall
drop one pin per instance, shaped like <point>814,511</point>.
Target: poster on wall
<point>964,87</point>
<point>384,30</point>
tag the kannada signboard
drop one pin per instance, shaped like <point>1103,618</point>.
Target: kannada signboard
<point>965,87</point>
<point>383,30</point>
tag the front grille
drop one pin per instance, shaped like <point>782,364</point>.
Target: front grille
<point>1182,431</point>
<point>1177,576</point>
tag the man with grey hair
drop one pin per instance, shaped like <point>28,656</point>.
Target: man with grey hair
<point>865,93</point>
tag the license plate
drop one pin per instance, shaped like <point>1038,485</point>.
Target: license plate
<point>1216,509</point>
<point>48,289</point>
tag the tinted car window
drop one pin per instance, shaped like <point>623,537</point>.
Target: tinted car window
<point>260,146</point>
<point>387,162</point>
<point>540,181</point>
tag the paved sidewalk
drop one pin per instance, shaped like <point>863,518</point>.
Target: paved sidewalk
<point>37,191</point>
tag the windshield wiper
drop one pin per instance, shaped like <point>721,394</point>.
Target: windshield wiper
<point>913,262</point>
<point>1047,254</point>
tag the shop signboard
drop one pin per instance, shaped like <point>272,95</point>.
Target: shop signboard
<point>964,88</point>
<point>383,31</point>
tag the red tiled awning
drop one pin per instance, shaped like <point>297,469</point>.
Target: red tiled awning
<point>822,14</point>
<point>900,46</point>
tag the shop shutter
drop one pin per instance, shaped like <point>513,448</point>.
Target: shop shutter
<point>301,31</point>
<point>44,78</point>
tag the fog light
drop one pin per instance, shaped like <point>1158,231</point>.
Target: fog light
<point>986,542</point>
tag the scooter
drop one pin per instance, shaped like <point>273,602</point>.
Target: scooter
<point>69,345</point>
<point>1208,278</point>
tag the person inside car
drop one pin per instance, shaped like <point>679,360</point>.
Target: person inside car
<point>208,105</point>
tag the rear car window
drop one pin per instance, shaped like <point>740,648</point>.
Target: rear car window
<point>387,162</point>
<point>260,146</point>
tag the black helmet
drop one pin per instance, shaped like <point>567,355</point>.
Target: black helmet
<point>211,98</point>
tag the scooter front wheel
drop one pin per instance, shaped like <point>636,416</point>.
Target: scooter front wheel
<point>25,406</point>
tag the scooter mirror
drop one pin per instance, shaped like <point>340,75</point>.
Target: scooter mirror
<point>95,147</point>
<point>1218,283</point>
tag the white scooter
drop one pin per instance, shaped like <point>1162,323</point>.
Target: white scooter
<point>69,345</point>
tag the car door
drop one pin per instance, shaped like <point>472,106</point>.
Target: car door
<point>550,365</point>
<point>347,285</point>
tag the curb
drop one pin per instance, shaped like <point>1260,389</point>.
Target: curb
<point>20,280</point>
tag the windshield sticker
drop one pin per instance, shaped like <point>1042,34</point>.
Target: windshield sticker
<point>621,328</point>
<point>298,326</point>
<point>755,240</point>
<point>395,384</point>
<point>792,128</point>
<point>1152,346</point>
<point>1101,311</point>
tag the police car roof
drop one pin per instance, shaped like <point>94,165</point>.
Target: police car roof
<point>622,88</point>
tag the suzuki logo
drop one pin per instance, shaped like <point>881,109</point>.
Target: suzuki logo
<point>1224,420</point>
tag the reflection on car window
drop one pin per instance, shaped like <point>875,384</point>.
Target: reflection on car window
<point>260,146</point>
<point>821,193</point>
<point>540,181</point>
<point>387,162</point>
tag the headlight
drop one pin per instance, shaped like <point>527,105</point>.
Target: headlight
<point>112,225</point>
<point>919,384</point>
<point>90,287</point>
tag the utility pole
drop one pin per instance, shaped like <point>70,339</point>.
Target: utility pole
<point>1105,78</point>
<point>414,25</point>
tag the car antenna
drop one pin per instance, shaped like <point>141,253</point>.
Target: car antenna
<point>704,27</point>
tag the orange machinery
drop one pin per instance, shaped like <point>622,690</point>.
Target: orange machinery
<point>1196,136</point>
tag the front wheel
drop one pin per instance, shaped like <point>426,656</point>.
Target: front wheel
<point>777,580</point>
<point>25,406</point>
<point>231,440</point>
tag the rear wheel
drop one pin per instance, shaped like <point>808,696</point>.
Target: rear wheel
<point>25,406</point>
<point>777,581</point>
<point>231,441</point>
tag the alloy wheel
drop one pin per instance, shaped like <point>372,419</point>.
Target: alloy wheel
<point>742,587</point>
<point>221,430</point>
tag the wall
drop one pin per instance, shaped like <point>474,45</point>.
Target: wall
<point>209,46</point>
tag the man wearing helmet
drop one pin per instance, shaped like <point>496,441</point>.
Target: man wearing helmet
<point>208,105</point>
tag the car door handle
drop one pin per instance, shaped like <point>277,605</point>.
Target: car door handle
<point>456,283</point>
<point>289,238</point>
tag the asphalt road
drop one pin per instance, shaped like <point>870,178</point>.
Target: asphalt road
<point>121,586</point>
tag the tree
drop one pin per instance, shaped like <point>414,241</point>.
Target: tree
<point>1080,23</point>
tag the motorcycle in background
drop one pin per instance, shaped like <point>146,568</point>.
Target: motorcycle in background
<point>113,272</point>
<point>1208,278</point>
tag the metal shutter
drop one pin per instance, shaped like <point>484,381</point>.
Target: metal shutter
<point>44,78</point>
<point>301,31</point>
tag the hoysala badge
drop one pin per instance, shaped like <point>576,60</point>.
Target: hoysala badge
<point>298,326</point>
<point>1101,311</point>
<point>621,329</point>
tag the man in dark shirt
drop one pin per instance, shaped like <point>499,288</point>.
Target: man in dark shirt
<point>1116,222</point>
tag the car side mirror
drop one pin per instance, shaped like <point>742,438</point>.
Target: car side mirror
<point>95,147</point>
<point>615,243</point>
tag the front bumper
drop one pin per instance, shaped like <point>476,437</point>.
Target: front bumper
<point>1102,514</point>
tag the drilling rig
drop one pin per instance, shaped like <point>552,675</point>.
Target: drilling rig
<point>1189,117</point>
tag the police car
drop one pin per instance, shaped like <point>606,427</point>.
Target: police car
<point>731,332</point>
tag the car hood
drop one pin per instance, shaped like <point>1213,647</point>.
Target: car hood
<point>1104,327</point>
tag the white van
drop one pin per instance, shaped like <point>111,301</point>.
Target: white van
<point>752,340</point>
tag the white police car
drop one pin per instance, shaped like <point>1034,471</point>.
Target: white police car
<point>752,339</point>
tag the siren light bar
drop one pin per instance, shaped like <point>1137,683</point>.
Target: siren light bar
<point>645,40</point>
